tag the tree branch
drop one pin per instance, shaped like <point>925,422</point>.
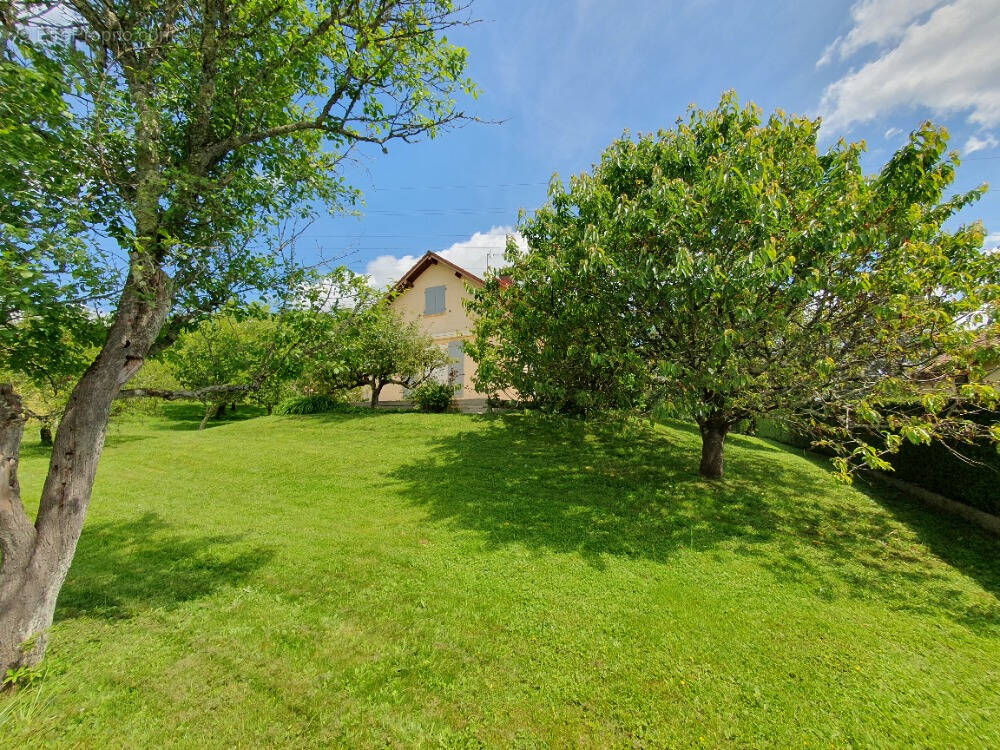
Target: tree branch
<point>198,394</point>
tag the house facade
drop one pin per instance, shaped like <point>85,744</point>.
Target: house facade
<point>433,293</point>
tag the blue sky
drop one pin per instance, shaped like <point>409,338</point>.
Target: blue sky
<point>568,77</point>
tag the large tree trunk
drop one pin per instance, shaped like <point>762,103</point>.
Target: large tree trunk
<point>376,390</point>
<point>713,441</point>
<point>36,557</point>
<point>17,533</point>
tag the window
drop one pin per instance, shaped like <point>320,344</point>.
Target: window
<point>457,368</point>
<point>433,300</point>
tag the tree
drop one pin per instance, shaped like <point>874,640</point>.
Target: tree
<point>730,270</point>
<point>250,352</point>
<point>376,349</point>
<point>233,348</point>
<point>47,278</point>
<point>189,130</point>
<point>540,334</point>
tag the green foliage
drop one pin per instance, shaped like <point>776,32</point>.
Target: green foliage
<point>433,396</point>
<point>197,131</point>
<point>49,278</point>
<point>730,270</point>
<point>547,337</point>
<point>250,352</point>
<point>771,430</point>
<point>22,677</point>
<point>173,147</point>
<point>641,605</point>
<point>314,404</point>
<point>156,374</point>
<point>373,348</point>
<point>967,472</point>
<point>238,348</point>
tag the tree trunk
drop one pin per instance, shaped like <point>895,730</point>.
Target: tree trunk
<point>17,537</point>
<point>211,410</point>
<point>45,435</point>
<point>269,408</point>
<point>36,557</point>
<point>376,390</point>
<point>713,441</point>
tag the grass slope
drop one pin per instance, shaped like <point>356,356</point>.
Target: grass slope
<point>408,579</point>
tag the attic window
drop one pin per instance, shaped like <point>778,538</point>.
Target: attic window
<point>434,300</point>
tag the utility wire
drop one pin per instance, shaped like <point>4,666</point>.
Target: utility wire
<point>458,187</point>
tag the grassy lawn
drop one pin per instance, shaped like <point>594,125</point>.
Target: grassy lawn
<point>407,579</point>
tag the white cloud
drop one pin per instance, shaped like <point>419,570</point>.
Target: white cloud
<point>976,143</point>
<point>893,132</point>
<point>876,22</point>
<point>947,64</point>
<point>481,250</point>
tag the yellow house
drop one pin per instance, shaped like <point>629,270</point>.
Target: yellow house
<point>433,293</point>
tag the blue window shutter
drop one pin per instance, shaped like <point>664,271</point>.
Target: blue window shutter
<point>433,300</point>
<point>457,355</point>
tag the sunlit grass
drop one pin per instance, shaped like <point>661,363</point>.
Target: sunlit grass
<point>410,579</point>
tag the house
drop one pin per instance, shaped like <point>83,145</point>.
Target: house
<point>433,293</point>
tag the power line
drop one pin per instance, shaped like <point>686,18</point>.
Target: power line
<point>459,187</point>
<point>435,211</point>
<point>498,246</point>
<point>388,236</point>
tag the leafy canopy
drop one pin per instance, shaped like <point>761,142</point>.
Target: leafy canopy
<point>731,270</point>
<point>49,279</point>
<point>179,137</point>
<point>375,348</point>
<point>256,353</point>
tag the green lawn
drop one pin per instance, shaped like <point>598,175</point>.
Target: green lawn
<point>424,580</point>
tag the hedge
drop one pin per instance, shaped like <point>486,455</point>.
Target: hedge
<point>933,467</point>
<point>937,469</point>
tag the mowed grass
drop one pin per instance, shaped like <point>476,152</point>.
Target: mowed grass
<point>452,580</point>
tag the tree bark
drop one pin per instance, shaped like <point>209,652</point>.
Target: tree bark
<point>713,441</point>
<point>17,533</point>
<point>211,410</point>
<point>36,557</point>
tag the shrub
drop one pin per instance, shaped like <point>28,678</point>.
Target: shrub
<point>317,404</point>
<point>767,428</point>
<point>433,396</point>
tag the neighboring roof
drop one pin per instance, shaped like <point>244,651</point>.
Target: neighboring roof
<point>432,259</point>
<point>936,367</point>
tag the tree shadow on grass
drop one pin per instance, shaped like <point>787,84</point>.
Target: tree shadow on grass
<point>122,568</point>
<point>601,490</point>
<point>34,449</point>
<point>187,415</point>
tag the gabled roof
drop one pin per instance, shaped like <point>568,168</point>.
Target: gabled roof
<point>432,259</point>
